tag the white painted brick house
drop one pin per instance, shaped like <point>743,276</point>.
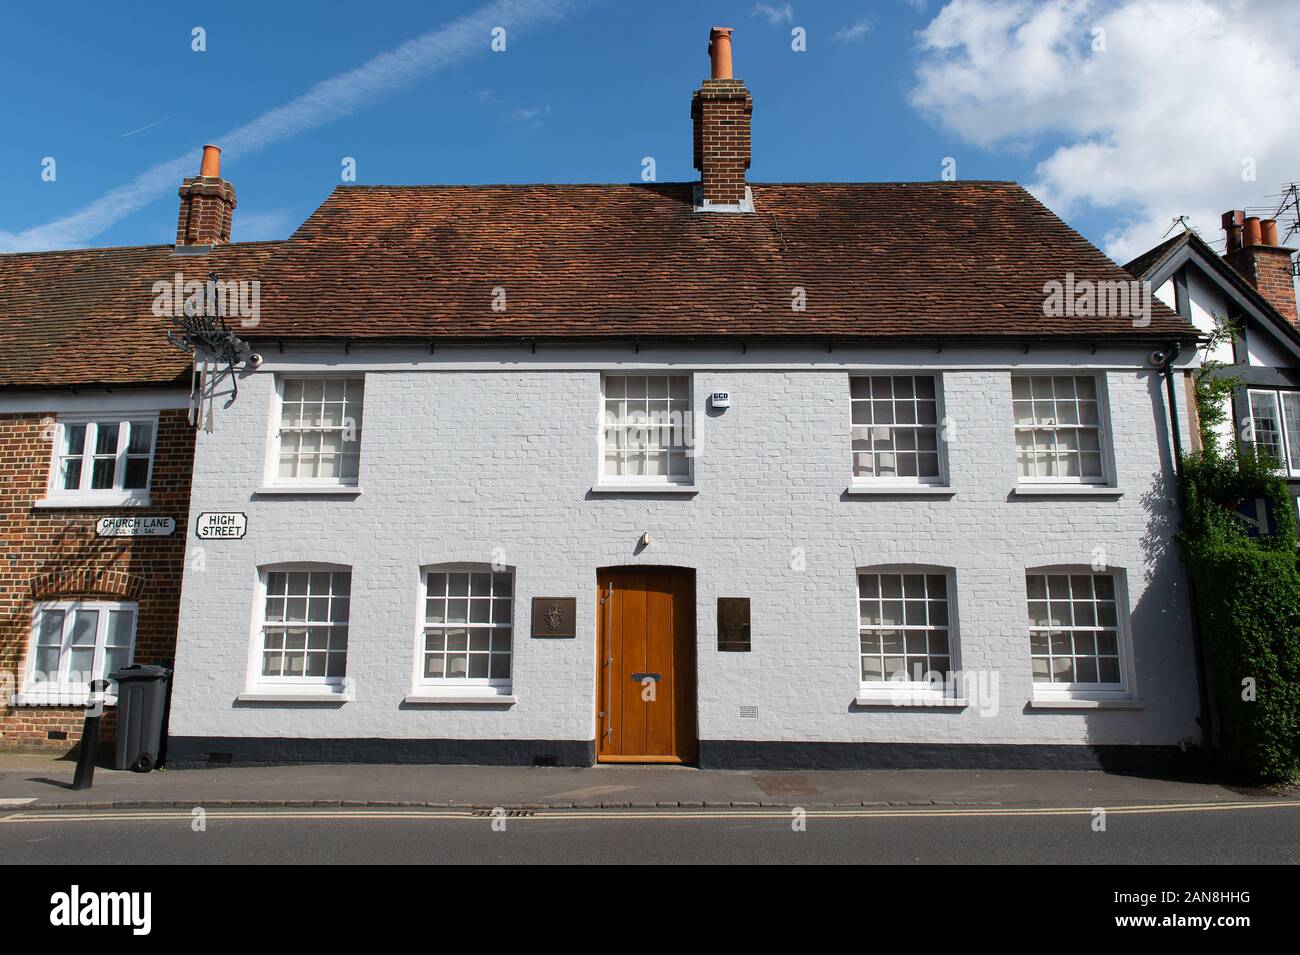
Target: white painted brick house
<point>889,511</point>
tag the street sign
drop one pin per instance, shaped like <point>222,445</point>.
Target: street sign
<point>220,525</point>
<point>135,526</point>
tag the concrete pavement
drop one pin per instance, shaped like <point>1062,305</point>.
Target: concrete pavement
<point>39,781</point>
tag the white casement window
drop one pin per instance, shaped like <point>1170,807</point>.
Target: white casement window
<point>468,627</point>
<point>646,434</point>
<point>1059,429</point>
<point>1275,426</point>
<point>895,429</point>
<point>103,459</point>
<point>75,642</point>
<point>904,626</point>
<point>319,436</point>
<point>1075,632</point>
<point>303,636</point>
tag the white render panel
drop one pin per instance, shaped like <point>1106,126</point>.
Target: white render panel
<point>477,465</point>
<point>1208,306</point>
<point>1166,294</point>
<point>1264,352</point>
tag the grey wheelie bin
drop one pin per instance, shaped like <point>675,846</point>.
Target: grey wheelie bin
<point>141,715</point>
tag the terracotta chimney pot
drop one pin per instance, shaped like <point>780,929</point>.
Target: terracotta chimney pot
<point>1268,231</point>
<point>210,167</point>
<point>1252,232</point>
<point>720,52</point>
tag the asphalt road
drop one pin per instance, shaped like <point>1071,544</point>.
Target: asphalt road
<point>1250,835</point>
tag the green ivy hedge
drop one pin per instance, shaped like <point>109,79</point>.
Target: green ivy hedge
<point>1248,606</point>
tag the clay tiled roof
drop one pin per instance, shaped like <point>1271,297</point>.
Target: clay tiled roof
<point>1143,264</point>
<point>85,317</point>
<point>888,261</point>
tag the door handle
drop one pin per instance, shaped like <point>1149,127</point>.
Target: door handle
<point>607,601</point>
<point>642,677</point>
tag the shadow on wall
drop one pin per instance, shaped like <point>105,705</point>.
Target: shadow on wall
<point>1160,499</point>
<point>1163,656</point>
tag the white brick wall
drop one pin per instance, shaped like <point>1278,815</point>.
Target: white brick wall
<point>456,463</point>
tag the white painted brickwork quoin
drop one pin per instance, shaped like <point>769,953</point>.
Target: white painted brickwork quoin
<point>467,457</point>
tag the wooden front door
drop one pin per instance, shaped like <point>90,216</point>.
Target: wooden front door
<point>646,702</point>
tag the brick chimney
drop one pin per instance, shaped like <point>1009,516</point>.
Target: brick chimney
<point>207,204</point>
<point>1253,251</point>
<point>720,111</point>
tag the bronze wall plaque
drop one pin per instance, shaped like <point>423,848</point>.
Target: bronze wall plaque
<point>733,624</point>
<point>554,616</point>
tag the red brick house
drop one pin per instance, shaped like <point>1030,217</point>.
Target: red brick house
<point>96,453</point>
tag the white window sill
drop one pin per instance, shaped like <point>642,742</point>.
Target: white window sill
<point>907,695</point>
<point>901,490</point>
<point>1083,703</point>
<point>336,490</point>
<point>1067,490</point>
<point>92,503</point>
<point>311,695</point>
<point>460,697</point>
<point>59,698</point>
<point>643,488</point>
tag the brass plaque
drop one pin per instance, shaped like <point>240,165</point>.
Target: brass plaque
<point>554,616</point>
<point>733,624</point>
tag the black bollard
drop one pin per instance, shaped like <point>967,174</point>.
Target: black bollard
<point>86,755</point>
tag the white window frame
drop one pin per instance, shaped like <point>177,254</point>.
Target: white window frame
<point>1099,692</point>
<point>942,480</point>
<point>486,687</point>
<point>116,496</point>
<point>271,475</point>
<point>1289,464</point>
<point>647,481</point>
<point>1107,478</point>
<point>909,691</point>
<point>304,685</point>
<point>63,692</point>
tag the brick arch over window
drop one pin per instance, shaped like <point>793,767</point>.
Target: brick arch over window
<point>86,581</point>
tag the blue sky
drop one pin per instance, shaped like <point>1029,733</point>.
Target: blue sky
<point>579,95</point>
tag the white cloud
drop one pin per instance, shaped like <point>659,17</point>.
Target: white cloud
<point>852,32</point>
<point>1155,125</point>
<point>529,113</point>
<point>775,15</point>
<point>328,100</point>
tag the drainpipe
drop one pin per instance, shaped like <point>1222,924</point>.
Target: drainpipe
<point>1164,363</point>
